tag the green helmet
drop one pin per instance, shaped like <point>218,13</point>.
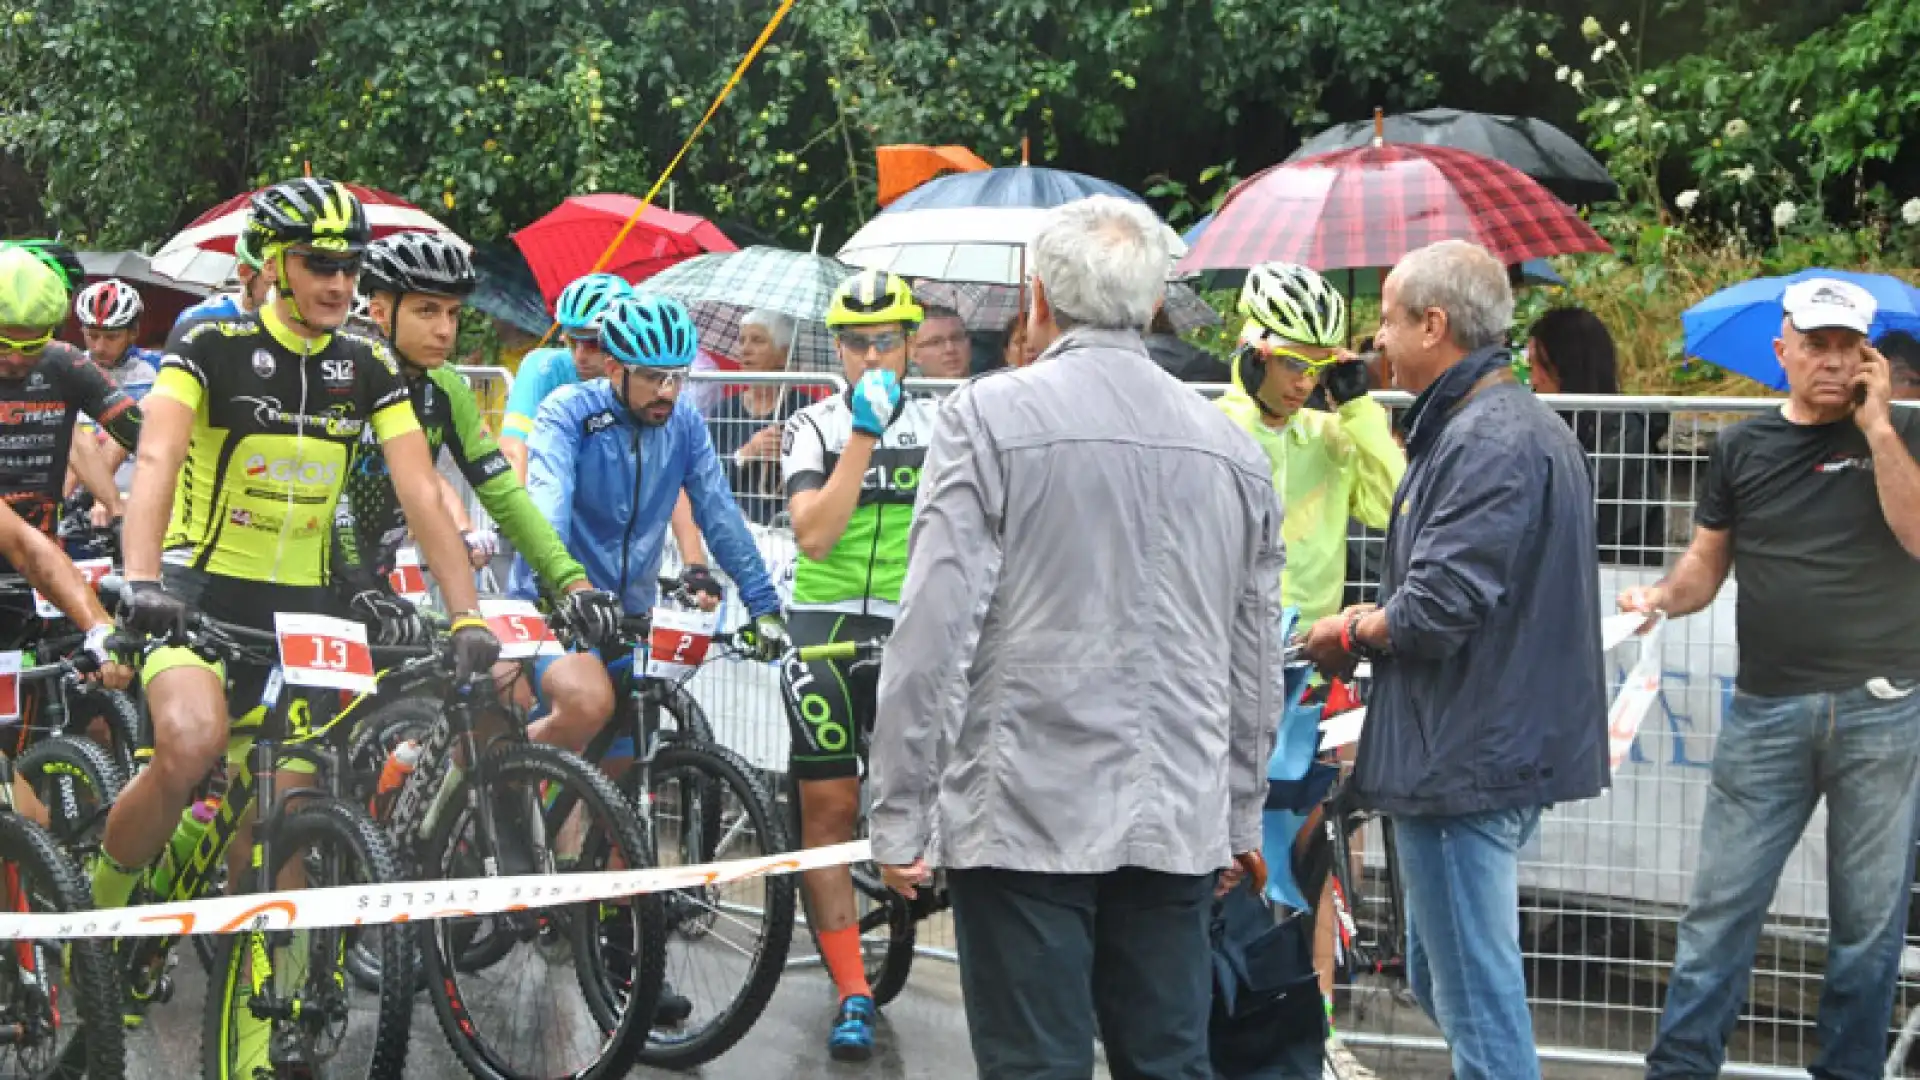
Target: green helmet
<point>1295,303</point>
<point>871,298</point>
<point>32,294</point>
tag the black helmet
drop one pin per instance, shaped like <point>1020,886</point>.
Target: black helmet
<point>61,258</point>
<point>308,211</point>
<point>417,262</point>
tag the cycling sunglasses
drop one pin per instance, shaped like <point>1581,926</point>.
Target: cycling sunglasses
<point>33,346</point>
<point>1293,362</point>
<point>860,344</point>
<point>659,378</point>
<point>320,264</point>
<point>591,341</point>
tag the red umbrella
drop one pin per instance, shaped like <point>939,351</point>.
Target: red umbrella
<point>202,253</point>
<point>1368,207</point>
<point>569,240</point>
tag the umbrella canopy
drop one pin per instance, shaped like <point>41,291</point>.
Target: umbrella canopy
<point>1018,186</point>
<point>1367,282</point>
<point>202,253</point>
<point>991,307</point>
<point>720,289</point>
<point>567,242</point>
<point>1369,207</point>
<point>1550,156</point>
<point>1736,326</point>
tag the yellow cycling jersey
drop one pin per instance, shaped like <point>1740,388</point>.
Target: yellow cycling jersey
<point>275,421</point>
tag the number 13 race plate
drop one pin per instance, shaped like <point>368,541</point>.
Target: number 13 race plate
<point>319,651</point>
<point>91,569</point>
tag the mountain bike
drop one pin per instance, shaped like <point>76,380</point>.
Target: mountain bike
<point>109,718</point>
<point>59,1004</point>
<point>73,776</point>
<point>279,1002</point>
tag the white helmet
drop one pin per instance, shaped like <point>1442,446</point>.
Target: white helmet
<point>108,305</point>
<point>1295,303</point>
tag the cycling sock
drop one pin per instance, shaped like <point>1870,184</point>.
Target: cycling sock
<point>841,950</point>
<point>112,883</point>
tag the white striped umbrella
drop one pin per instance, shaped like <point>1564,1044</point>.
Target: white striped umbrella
<point>202,253</point>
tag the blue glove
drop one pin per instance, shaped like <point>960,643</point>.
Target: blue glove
<point>876,398</point>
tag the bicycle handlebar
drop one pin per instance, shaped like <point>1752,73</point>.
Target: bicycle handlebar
<point>834,651</point>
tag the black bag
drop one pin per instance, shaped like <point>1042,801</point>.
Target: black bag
<point>1268,1022</point>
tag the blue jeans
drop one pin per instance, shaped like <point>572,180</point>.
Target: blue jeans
<point>1776,759</point>
<point>1462,877</point>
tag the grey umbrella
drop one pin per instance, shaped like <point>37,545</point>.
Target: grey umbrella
<point>1550,156</point>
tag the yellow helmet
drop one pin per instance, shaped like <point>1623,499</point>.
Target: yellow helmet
<point>874,297</point>
<point>32,294</point>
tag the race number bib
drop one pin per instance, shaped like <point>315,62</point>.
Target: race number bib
<point>678,643</point>
<point>323,652</point>
<point>94,570</point>
<point>522,630</point>
<point>9,686</point>
<point>408,578</point>
<point>1635,699</point>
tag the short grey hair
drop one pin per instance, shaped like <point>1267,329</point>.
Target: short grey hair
<point>1464,280</point>
<point>778,327</point>
<point>1104,263</point>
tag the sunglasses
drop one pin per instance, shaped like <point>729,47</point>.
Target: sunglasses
<point>591,341</point>
<point>860,344</point>
<point>33,346</point>
<point>1292,362</point>
<point>660,378</point>
<point>322,265</point>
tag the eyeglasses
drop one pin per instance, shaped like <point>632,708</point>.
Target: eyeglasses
<point>322,265</point>
<point>591,341</point>
<point>659,378</point>
<point>33,346</point>
<point>860,344</point>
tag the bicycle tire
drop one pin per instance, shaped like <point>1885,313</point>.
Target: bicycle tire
<point>622,1030</point>
<point>888,960</point>
<point>98,1047</point>
<point>690,723</point>
<point>77,781</point>
<point>715,771</point>
<point>377,733</point>
<point>349,833</point>
<point>122,718</point>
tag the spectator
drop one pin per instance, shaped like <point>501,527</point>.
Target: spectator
<point>1489,698</point>
<point>1080,775</point>
<point>1902,351</point>
<point>1016,354</point>
<point>746,427</point>
<point>1571,352</point>
<point>1182,359</point>
<point>941,348</point>
<point>1815,507</point>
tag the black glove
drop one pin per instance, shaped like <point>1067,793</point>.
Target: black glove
<point>1346,381</point>
<point>392,619</point>
<point>147,608</point>
<point>697,580</point>
<point>473,646</point>
<point>593,615</point>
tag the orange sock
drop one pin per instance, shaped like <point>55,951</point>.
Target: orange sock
<point>841,950</point>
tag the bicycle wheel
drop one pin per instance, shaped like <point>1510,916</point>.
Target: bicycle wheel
<point>684,719</point>
<point>78,782</point>
<point>314,1023</point>
<point>117,713</point>
<point>726,944</point>
<point>538,1004</point>
<point>61,1003</point>
<point>378,733</point>
<point>888,930</point>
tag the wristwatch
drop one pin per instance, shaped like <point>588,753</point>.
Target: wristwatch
<point>1351,642</point>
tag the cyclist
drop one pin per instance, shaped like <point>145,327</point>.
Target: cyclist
<point>109,313</point>
<point>416,284</point>
<point>44,387</point>
<point>253,285</point>
<point>852,464</point>
<point>254,419</point>
<point>1328,467</point>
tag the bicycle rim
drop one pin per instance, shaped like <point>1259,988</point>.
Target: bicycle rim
<point>64,1001</point>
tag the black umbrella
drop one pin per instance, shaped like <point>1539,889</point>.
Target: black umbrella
<point>1535,147</point>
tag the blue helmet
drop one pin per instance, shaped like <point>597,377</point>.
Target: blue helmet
<point>649,330</point>
<point>583,303</point>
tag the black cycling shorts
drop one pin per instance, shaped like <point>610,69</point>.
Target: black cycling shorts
<point>830,705</point>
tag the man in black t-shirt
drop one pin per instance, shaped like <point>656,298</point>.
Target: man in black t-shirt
<point>1816,509</point>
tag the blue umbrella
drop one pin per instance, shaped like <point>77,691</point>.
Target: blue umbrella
<point>1019,186</point>
<point>1735,327</point>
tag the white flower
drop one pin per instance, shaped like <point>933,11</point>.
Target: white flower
<point>1578,80</point>
<point>1590,28</point>
<point>1611,45</point>
<point>1784,214</point>
<point>1735,128</point>
<point>1686,200</point>
<point>1613,106</point>
<point>1910,211</point>
<point>1542,51</point>
<point>1647,90</point>
<point>1625,29</point>
<point>1599,53</point>
<point>1561,73</point>
<point>1795,106</point>
<point>1659,126</point>
<point>1743,174</point>
<point>1625,126</point>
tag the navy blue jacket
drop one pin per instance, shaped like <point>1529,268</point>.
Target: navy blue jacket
<point>1494,696</point>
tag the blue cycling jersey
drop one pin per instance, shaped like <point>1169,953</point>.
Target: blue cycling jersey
<point>542,371</point>
<point>609,484</point>
<point>223,306</point>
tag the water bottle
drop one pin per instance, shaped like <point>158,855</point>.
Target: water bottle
<point>194,821</point>
<point>393,775</point>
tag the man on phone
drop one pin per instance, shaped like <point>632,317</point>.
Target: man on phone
<point>1816,509</point>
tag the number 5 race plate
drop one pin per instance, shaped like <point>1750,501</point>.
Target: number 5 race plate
<point>323,652</point>
<point>518,624</point>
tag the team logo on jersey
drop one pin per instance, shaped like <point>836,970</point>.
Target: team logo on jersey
<point>263,364</point>
<point>337,371</point>
<point>36,381</point>
<point>599,422</point>
<point>786,440</point>
<point>1840,464</point>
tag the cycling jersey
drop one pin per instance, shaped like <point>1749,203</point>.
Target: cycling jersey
<point>276,419</point>
<point>223,306</point>
<point>608,484</point>
<point>864,571</point>
<point>371,522</point>
<point>542,371</point>
<point>38,412</point>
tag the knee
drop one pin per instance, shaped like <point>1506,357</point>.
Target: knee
<point>188,743</point>
<point>830,806</point>
<point>579,687</point>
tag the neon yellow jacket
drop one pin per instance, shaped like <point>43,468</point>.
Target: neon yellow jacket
<point>1327,467</point>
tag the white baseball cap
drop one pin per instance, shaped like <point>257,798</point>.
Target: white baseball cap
<point>1820,303</point>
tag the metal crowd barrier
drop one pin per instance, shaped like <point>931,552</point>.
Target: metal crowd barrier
<point>1605,881</point>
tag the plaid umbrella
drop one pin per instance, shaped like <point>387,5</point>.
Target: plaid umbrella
<point>1371,206</point>
<point>992,307</point>
<point>721,289</point>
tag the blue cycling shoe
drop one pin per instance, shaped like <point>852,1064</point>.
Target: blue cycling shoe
<point>852,1038</point>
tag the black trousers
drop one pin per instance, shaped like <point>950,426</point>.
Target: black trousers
<point>1043,955</point>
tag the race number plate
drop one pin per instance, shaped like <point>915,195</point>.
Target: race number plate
<point>9,686</point>
<point>679,641</point>
<point>408,578</point>
<point>92,569</point>
<point>324,652</point>
<point>522,630</point>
